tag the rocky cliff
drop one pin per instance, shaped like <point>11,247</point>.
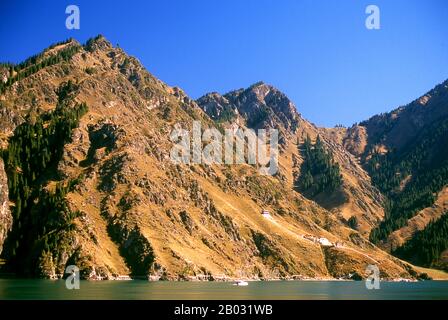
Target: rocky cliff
<point>5,215</point>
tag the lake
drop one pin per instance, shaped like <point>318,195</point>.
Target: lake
<point>139,289</point>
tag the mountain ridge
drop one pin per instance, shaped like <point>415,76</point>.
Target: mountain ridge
<point>139,214</point>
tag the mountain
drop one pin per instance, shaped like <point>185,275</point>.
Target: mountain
<point>259,106</point>
<point>404,153</point>
<point>263,106</point>
<point>87,180</point>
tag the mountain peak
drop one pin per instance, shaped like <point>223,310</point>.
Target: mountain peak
<point>259,84</point>
<point>98,43</point>
<point>217,107</point>
<point>261,106</point>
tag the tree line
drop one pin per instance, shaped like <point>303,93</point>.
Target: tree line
<point>36,63</point>
<point>318,172</point>
<point>33,152</point>
<point>427,245</point>
<point>410,178</point>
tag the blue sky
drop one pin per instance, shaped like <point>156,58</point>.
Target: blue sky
<point>318,52</point>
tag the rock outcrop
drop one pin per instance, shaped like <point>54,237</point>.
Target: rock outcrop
<point>5,214</point>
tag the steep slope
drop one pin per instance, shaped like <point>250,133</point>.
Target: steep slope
<point>259,106</point>
<point>428,246</point>
<point>404,154</point>
<point>360,199</point>
<point>263,106</point>
<point>396,129</point>
<point>128,209</point>
<point>419,222</point>
<point>5,215</point>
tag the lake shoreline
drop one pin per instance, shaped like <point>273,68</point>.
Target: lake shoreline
<point>19,289</point>
<point>228,280</point>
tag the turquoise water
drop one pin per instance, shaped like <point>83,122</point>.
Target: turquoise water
<point>47,289</point>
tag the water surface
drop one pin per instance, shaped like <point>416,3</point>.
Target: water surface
<point>138,289</point>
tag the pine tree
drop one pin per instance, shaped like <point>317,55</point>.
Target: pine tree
<point>319,172</point>
<point>32,150</point>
